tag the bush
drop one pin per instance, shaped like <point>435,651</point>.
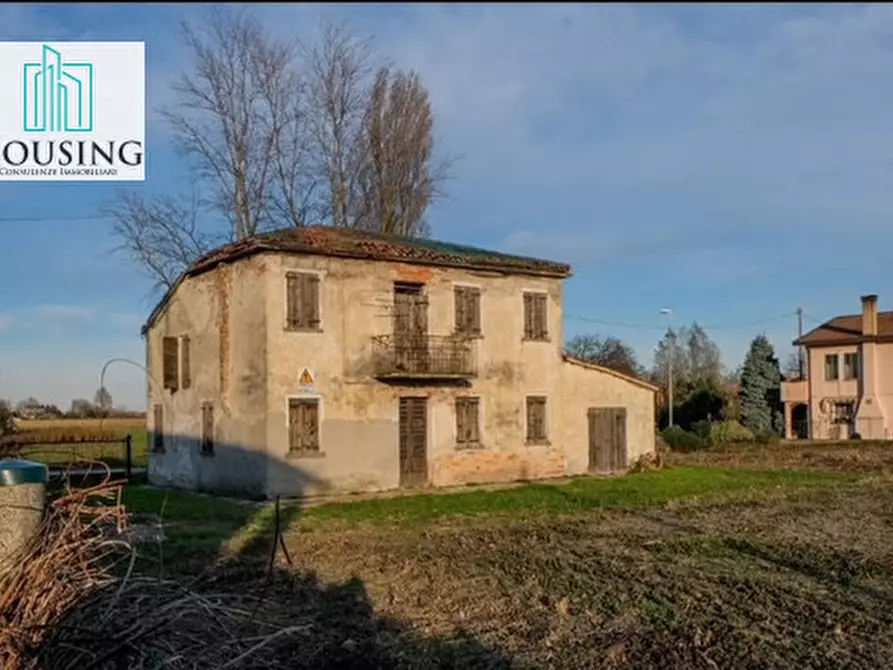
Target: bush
<point>767,438</point>
<point>681,440</point>
<point>856,436</point>
<point>7,425</point>
<point>729,432</point>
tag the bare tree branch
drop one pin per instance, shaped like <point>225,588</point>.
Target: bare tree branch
<point>162,237</point>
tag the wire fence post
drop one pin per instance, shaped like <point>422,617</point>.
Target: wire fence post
<point>128,444</point>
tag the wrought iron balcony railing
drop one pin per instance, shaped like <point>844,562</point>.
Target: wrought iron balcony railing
<point>423,357</point>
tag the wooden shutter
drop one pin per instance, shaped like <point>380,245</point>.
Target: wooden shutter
<point>170,361</point>
<point>536,419</point>
<point>310,301</point>
<point>540,328</point>
<point>185,374</point>
<point>473,309</point>
<point>158,428</point>
<point>208,428</point>
<point>467,417</point>
<point>293,300</point>
<point>303,422</point>
<point>528,316</point>
<point>461,317</point>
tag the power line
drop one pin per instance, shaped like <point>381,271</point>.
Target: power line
<point>718,326</point>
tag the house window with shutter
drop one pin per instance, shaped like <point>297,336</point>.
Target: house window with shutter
<point>208,429</point>
<point>832,369</point>
<point>302,301</point>
<point>185,373</point>
<point>536,323</point>
<point>303,426</point>
<point>851,366</point>
<point>158,428</point>
<point>170,362</point>
<point>468,435</point>
<point>468,310</point>
<point>536,420</point>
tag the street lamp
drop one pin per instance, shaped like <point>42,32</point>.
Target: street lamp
<point>669,313</point>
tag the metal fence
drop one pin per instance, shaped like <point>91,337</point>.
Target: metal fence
<point>78,458</point>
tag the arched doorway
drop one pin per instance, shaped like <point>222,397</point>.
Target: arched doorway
<point>800,421</point>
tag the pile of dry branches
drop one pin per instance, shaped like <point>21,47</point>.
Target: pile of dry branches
<point>74,601</point>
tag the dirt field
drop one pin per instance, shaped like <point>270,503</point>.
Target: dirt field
<point>691,567</point>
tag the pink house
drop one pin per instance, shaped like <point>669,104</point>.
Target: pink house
<point>849,378</point>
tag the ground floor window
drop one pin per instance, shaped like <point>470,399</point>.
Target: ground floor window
<point>303,425</point>
<point>468,433</point>
<point>536,420</point>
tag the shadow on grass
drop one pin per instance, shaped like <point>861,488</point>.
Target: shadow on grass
<point>230,545</point>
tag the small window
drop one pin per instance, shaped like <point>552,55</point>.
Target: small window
<point>302,299</point>
<point>185,374</point>
<point>303,425</point>
<point>468,422</point>
<point>158,428</point>
<point>832,371</point>
<point>842,412</point>
<point>468,310</point>
<point>208,429</point>
<point>170,362</point>
<point>536,420</point>
<point>535,319</point>
<point>851,366</point>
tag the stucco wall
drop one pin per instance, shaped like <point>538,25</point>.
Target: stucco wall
<point>222,312</point>
<point>359,422</point>
<point>584,387</point>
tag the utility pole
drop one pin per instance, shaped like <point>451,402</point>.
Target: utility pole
<point>799,335</point>
<point>669,313</point>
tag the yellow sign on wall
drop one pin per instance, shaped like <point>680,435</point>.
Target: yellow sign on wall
<point>306,379</point>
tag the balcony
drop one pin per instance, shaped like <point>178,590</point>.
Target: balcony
<point>434,357</point>
<point>795,391</point>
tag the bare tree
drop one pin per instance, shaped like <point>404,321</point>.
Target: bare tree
<point>280,134</point>
<point>609,352</point>
<point>338,69</point>
<point>398,179</point>
<point>162,237</point>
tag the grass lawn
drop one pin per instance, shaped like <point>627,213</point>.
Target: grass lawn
<point>689,567</point>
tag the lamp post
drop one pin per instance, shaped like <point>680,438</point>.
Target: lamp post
<point>669,313</point>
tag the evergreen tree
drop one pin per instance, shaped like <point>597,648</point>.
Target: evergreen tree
<point>761,389</point>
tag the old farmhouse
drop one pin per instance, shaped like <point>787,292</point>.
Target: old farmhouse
<point>320,360</point>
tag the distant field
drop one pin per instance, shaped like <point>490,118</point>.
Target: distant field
<point>113,454</point>
<point>128,422</point>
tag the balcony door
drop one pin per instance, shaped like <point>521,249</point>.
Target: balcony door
<point>410,327</point>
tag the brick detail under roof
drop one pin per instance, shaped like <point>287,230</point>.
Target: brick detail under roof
<point>846,330</point>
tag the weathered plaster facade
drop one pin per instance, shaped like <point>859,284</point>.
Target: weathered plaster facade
<point>247,363</point>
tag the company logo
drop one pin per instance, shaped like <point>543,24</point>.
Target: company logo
<point>57,96</point>
<point>80,115</point>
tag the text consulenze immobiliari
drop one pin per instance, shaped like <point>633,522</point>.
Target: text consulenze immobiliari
<point>69,157</point>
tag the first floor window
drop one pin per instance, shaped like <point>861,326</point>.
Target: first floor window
<point>208,428</point>
<point>158,428</point>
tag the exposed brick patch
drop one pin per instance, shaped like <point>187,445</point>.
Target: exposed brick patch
<point>480,467</point>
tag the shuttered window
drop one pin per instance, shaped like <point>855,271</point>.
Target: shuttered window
<point>468,310</point>
<point>468,422</point>
<point>832,371</point>
<point>208,429</point>
<point>170,362</point>
<point>536,419</point>
<point>185,374</point>
<point>303,425</point>
<point>302,298</point>
<point>535,317</point>
<point>158,428</point>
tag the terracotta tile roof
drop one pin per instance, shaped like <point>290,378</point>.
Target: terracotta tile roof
<point>846,330</point>
<point>359,244</point>
<point>351,243</point>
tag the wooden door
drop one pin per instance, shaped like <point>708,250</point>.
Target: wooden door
<point>607,440</point>
<point>413,442</point>
<point>410,328</point>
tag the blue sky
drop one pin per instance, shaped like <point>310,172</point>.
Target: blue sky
<point>732,162</point>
